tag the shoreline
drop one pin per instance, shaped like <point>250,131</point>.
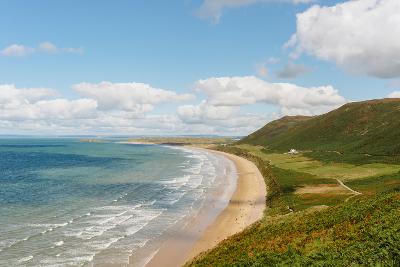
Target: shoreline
<point>244,207</point>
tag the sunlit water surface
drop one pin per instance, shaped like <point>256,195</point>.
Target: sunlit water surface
<point>69,203</point>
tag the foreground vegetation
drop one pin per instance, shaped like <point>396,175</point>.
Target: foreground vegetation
<point>362,232</point>
<point>311,220</point>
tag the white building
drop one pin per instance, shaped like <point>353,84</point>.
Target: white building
<point>293,151</point>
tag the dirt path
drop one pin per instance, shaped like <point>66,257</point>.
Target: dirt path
<point>355,193</point>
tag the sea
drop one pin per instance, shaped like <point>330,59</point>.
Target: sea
<point>64,202</point>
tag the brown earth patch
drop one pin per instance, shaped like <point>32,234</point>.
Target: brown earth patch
<point>321,189</point>
<point>392,182</point>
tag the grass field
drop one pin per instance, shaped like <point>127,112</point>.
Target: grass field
<point>342,171</point>
<point>296,186</point>
<point>301,177</point>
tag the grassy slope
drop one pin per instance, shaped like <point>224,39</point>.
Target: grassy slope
<point>357,133</point>
<point>363,231</point>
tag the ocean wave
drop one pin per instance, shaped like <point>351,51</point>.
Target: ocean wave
<point>68,259</point>
<point>141,221</point>
<point>118,228</point>
<point>102,245</point>
<point>28,258</point>
<point>59,243</point>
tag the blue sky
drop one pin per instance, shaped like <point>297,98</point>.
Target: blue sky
<point>166,45</point>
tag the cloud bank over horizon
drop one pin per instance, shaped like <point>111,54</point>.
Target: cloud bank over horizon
<point>130,108</point>
<point>225,95</point>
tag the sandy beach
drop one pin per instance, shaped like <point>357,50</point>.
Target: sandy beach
<point>245,207</point>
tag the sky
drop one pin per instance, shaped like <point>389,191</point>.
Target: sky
<point>223,67</point>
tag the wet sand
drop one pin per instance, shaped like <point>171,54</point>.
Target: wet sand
<point>212,225</point>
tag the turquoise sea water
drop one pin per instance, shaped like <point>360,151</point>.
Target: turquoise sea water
<point>68,203</point>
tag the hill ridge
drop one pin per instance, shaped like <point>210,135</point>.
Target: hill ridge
<point>364,131</point>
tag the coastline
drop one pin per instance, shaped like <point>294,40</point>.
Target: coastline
<point>244,206</point>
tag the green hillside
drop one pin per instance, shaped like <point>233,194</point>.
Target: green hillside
<point>365,232</point>
<point>275,129</point>
<point>336,203</point>
<point>358,132</point>
<point>321,228</point>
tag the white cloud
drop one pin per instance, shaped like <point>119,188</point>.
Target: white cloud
<point>124,108</point>
<point>44,110</point>
<point>40,103</point>
<point>10,95</point>
<point>220,119</point>
<point>292,70</point>
<point>395,94</point>
<point>17,50</point>
<point>138,97</point>
<point>290,98</point>
<point>212,9</point>
<point>48,47</point>
<point>362,36</point>
<point>205,112</point>
<point>55,109</point>
<point>225,96</point>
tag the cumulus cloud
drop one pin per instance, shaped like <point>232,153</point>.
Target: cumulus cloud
<point>59,109</point>
<point>10,95</point>
<point>137,97</point>
<point>18,50</point>
<point>124,108</point>
<point>103,107</point>
<point>221,110</point>
<point>212,9</point>
<point>292,70</point>
<point>40,103</point>
<point>290,98</point>
<point>221,119</point>
<point>395,94</point>
<point>205,112</point>
<point>360,36</point>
